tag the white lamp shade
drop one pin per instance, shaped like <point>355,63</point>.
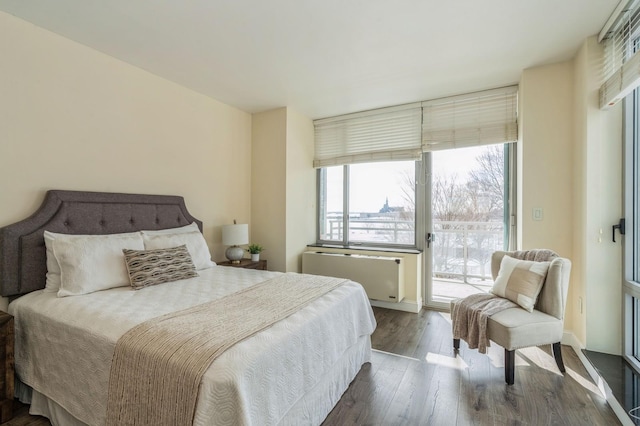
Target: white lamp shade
<point>235,235</point>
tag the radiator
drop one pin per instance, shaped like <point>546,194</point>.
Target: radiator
<point>382,277</point>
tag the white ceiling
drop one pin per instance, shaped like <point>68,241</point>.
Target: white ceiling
<point>326,57</point>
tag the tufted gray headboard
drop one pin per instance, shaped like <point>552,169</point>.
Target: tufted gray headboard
<point>23,262</point>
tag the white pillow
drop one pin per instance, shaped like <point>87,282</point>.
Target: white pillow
<point>91,263</point>
<point>193,227</point>
<point>520,281</point>
<point>53,268</point>
<point>194,241</point>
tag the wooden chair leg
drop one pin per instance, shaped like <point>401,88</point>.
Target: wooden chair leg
<point>509,366</point>
<point>456,344</point>
<point>557,354</point>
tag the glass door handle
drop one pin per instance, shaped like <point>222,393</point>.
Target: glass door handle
<point>431,237</point>
<point>620,226</point>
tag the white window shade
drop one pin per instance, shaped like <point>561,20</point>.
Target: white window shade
<point>621,66</point>
<point>479,118</point>
<point>621,83</point>
<point>379,135</point>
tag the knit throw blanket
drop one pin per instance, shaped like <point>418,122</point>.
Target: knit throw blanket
<point>158,365</point>
<point>469,318</point>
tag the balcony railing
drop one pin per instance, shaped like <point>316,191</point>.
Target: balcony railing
<point>392,231</point>
<point>461,250</point>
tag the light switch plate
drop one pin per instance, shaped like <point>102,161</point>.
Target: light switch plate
<point>537,213</point>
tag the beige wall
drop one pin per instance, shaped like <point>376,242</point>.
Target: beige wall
<point>73,118</point>
<point>547,151</point>
<point>547,164</point>
<point>570,162</point>
<point>268,185</point>
<point>598,181</point>
<point>283,187</point>
<point>300,187</point>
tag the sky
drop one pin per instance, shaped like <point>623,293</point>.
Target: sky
<point>377,181</point>
<point>455,161</point>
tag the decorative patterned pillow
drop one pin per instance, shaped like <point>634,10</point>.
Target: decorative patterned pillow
<point>151,267</point>
<point>520,281</point>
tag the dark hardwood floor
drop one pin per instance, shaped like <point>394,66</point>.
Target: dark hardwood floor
<point>415,379</point>
<point>21,417</point>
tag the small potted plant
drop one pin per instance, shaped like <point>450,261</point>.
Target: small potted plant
<point>255,250</point>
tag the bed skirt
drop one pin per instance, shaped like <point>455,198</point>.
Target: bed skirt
<point>311,409</point>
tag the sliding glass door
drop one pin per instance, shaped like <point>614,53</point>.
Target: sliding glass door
<point>631,272</point>
<point>468,218</point>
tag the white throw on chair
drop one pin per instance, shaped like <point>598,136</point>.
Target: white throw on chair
<point>517,327</point>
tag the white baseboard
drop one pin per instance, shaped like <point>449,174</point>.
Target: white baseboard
<point>404,305</point>
<point>570,339</point>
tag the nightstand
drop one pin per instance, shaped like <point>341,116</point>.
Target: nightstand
<point>6,367</point>
<point>246,264</point>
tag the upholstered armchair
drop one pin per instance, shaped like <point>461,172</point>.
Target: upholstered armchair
<point>515,327</point>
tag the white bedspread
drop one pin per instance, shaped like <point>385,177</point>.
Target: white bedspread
<point>64,346</point>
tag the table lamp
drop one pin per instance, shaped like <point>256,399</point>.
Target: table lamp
<point>234,236</point>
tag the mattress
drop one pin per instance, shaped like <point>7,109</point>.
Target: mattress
<point>64,347</point>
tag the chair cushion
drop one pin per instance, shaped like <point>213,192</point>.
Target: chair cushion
<point>516,328</point>
<point>520,281</point>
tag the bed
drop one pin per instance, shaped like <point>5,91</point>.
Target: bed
<point>290,372</point>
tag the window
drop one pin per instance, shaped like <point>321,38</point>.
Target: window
<point>634,328</point>
<point>331,201</point>
<point>631,285</point>
<point>368,204</point>
<point>621,81</point>
<point>367,161</point>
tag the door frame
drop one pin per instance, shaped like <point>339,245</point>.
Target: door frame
<point>631,239</point>
<point>424,219</point>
